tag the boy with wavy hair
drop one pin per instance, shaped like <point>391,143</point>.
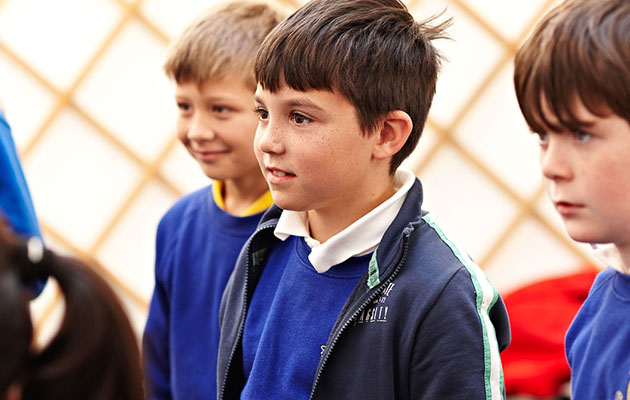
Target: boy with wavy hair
<point>199,238</point>
<point>573,87</point>
<point>347,289</point>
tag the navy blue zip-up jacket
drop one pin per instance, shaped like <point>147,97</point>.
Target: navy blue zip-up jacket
<point>422,323</point>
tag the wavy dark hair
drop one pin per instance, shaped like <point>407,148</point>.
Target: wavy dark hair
<point>580,51</point>
<point>93,356</point>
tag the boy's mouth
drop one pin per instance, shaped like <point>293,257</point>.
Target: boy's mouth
<point>278,173</point>
<point>565,208</point>
<point>567,204</point>
<point>206,155</point>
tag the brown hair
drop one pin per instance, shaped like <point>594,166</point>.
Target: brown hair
<point>222,41</point>
<point>371,51</point>
<point>579,51</point>
<point>93,356</point>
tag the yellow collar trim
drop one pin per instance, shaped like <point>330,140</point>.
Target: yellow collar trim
<point>261,204</point>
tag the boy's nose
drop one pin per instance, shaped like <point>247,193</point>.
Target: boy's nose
<point>555,161</point>
<point>268,139</point>
<point>200,129</point>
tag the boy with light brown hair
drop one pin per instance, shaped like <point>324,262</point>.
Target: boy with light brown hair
<point>572,82</point>
<point>200,237</point>
<point>348,289</point>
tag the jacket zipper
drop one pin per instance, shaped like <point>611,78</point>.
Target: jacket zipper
<point>243,311</point>
<point>374,295</point>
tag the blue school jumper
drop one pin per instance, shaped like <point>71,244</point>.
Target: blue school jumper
<point>422,322</point>
<point>284,350</point>
<point>598,340</point>
<point>197,245</point>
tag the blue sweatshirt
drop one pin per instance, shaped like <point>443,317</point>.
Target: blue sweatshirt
<point>197,245</point>
<point>597,343</point>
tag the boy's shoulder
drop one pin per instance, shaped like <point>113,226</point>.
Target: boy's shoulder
<point>436,253</point>
<point>188,206</point>
<point>191,202</point>
<point>433,258</point>
<point>602,282</point>
<point>440,275</point>
<point>181,222</point>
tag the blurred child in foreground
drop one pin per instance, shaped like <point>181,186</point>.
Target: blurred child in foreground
<point>93,356</point>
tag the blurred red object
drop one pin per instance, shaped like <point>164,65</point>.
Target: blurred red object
<point>540,314</point>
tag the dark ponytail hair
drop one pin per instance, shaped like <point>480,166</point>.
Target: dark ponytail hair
<point>93,356</point>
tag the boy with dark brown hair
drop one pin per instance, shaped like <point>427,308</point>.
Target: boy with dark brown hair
<point>199,238</point>
<point>573,87</point>
<point>347,289</point>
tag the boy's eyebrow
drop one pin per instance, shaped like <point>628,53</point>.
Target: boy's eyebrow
<point>303,103</point>
<point>295,102</point>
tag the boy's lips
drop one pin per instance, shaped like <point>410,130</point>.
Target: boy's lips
<point>209,155</point>
<point>566,208</point>
<point>277,175</point>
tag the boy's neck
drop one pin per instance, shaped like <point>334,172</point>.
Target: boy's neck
<point>239,195</point>
<point>325,223</point>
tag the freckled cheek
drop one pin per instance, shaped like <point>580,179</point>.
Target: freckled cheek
<point>319,154</point>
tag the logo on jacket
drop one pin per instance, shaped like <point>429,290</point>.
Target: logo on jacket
<point>377,310</point>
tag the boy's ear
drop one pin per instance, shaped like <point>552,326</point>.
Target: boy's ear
<point>392,132</point>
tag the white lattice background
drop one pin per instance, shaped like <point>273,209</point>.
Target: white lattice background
<point>94,119</point>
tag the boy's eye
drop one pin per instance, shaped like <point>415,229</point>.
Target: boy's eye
<point>183,107</point>
<point>542,137</point>
<point>262,114</point>
<point>220,109</point>
<point>299,119</point>
<point>581,136</point>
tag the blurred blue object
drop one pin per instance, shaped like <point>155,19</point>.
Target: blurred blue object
<point>16,205</point>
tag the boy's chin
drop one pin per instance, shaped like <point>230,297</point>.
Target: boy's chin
<point>584,235</point>
<point>287,205</point>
